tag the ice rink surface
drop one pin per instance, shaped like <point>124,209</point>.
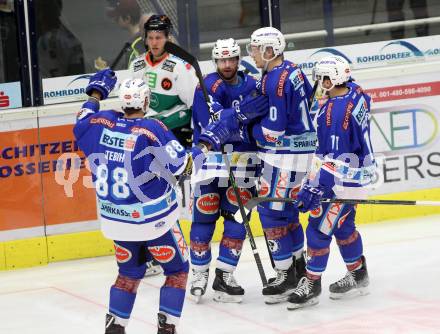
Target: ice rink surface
<point>403,260</point>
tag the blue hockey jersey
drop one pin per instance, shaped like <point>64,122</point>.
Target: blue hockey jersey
<point>344,154</point>
<point>132,162</point>
<point>286,136</point>
<point>228,96</point>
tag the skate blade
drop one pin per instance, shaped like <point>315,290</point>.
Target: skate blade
<point>223,297</point>
<point>350,294</point>
<point>153,271</point>
<point>276,299</point>
<point>310,302</point>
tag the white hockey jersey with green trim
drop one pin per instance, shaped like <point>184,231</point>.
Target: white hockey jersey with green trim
<point>172,82</point>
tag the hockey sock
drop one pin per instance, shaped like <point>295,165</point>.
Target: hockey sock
<point>351,248</point>
<point>172,296</point>
<point>200,246</point>
<point>280,243</point>
<point>297,235</point>
<point>317,259</point>
<point>229,253</point>
<point>122,297</point>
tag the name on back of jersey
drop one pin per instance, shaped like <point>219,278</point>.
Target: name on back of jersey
<point>118,140</point>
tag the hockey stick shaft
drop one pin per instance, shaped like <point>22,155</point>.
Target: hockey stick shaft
<point>252,203</point>
<point>178,51</point>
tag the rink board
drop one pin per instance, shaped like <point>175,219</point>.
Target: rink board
<point>49,213</point>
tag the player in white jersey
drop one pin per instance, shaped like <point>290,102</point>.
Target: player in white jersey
<point>172,80</point>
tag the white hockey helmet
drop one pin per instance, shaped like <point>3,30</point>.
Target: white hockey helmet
<point>336,68</point>
<point>225,48</point>
<point>267,37</point>
<point>134,93</point>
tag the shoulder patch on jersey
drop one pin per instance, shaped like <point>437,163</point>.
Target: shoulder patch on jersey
<point>143,131</point>
<point>262,83</point>
<point>138,65</point>
<point>83,113</point>
<point>296,78</point>
<point>118,140</point>
<point>360,112</point>
<point>103,121</point>
<point>347,115</point>
<point>216,84</point>
<point>168,65</point>
<point>281,82</point>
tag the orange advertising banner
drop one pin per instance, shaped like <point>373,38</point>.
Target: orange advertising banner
<point>44,179</point>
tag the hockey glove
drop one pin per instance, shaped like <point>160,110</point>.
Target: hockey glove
<point>251,108</point>
<point>309,197</point>
<point>196,159</point>
<point>102,81</point>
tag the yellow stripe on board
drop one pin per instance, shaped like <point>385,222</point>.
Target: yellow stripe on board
<point>78,245</point>
<point>25,253</point>
<point>34,252</point>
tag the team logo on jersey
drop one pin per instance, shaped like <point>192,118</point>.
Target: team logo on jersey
<point>245,196</point>
<point>168,65</point>
<point>122,254</point>
<point>208,204</point>
<point>166,84</point>
<point>162,254</point>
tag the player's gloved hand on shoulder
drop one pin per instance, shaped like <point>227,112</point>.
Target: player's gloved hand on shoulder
<point>102,81</point>
<point>251,108</point>
<point>309,197</point>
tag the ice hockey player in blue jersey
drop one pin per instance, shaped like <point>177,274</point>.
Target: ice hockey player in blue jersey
<point>343,165</point>
<point>133,162</point>
<point>213,195</point>
<point>286,139</point>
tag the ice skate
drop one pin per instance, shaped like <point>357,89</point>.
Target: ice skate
<point>198,284</point>
<point>163,327</point>
<point>354,283</point>
<point>153,269</point>
<point>111,327</point>
<point>226,288</point>
<point>279,289</point>
<point>306,294</point>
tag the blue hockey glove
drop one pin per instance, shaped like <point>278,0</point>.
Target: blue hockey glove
<point>102,81</point>
<point>251,108</point>
<point>216,134</point>
<point>309,197</point>
<point>215,110</point>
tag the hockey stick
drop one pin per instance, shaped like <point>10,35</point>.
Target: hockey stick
<point>189,58</point>
<point>252,203</point>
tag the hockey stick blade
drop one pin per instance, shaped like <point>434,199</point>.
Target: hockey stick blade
<point>253,202</point>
